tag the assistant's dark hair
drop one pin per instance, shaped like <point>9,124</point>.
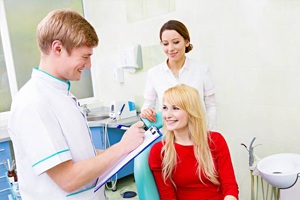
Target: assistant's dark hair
<point>180,28</point>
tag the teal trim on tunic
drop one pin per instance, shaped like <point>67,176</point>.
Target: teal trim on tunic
<point>50,157</point>
<point>67,82</point>
<point>74,193</point>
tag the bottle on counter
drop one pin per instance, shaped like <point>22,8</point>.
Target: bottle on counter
<point>11,174</point>
<point>15,176</point>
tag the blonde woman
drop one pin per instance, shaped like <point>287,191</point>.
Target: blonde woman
<point>191,162</point>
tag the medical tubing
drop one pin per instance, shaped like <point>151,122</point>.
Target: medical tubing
<point>262,187</point>
<point>252,186</point>
<point>257,180</point>
<point>107,142</point>
<point>267,193</point>
<point>106,138</point>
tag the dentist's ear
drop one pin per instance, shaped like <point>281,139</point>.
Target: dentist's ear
<point>57,46</point>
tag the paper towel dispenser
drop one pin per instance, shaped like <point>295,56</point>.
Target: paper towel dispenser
<point>131,58</point>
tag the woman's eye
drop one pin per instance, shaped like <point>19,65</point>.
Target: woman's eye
<point>164,107</point>
<point>165,44</point>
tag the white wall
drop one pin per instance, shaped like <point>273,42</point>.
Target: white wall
<point>252,47</point>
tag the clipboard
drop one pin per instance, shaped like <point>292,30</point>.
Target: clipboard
<point>150,136</point>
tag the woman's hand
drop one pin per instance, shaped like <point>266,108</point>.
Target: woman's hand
<point>149,114</point>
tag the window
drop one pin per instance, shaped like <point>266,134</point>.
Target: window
<point>6,65</point>
<point>22,18</point>
<point>5,94</point>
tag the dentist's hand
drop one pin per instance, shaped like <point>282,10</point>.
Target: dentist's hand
<point>133,137</point>
<point>149,114</point>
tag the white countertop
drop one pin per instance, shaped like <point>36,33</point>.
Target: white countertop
<point>4,136</point>
<point>114,124</point>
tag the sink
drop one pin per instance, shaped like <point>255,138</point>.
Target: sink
<point>97,117</point>
<point>97,114</point>
<point>280,170</point>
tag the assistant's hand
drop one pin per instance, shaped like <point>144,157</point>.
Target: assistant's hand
<point>149,114</point>
<point>133,137</point>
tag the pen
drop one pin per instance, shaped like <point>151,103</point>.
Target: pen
<point>123,127</point>
<point>122,109</point>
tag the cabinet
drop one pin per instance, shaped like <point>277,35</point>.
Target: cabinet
<point>113,135</point>
<point>5,153</point>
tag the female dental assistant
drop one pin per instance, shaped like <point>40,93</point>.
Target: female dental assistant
<point>55,156</point>
<point>178,69</point>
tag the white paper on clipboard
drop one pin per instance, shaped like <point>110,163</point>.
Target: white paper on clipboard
<point>150,136</point>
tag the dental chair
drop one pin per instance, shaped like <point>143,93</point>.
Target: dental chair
<point>144,180</point>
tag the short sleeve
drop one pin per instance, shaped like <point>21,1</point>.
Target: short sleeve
<point>42,138</point>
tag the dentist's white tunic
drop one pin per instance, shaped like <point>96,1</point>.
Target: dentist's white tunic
<point>47,128</point>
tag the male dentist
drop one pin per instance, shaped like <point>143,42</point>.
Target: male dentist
<point>54,152</point>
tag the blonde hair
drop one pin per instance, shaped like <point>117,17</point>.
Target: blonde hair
<point>187,98</point>
<point>67,26</point>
